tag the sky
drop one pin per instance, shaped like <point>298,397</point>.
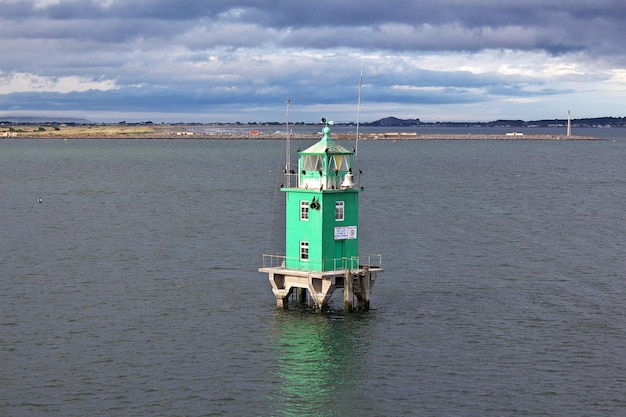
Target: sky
<point>240,60</point>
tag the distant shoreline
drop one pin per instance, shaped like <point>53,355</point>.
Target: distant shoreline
<point>298,136</point>
<point>468,136</point>
<point>197,133</point>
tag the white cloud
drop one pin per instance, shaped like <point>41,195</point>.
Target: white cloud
<point>618,76</point>
<point>42,4</point>
<point>20,82</point>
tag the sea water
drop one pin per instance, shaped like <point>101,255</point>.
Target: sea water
<point>132,288</point>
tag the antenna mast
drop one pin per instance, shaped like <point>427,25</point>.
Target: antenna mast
<point>358,115</point>
<point>288,150</point>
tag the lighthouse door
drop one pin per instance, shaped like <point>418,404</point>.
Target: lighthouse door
<point>338,262</point>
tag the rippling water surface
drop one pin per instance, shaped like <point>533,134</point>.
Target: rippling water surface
<point>132,288</point>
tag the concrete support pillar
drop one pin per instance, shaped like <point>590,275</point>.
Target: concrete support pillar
<point>347,291</point>
<point>321,289</point>
<point>281,292</point>
<point>367,289</point>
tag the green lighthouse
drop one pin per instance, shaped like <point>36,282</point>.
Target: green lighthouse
<point>321,231</point>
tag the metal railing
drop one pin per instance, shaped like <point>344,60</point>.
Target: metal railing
<point>353,262</point>
<point>273,261</point>
<point>371,260</point>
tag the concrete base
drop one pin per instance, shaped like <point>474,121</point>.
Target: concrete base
<point>321,285</point>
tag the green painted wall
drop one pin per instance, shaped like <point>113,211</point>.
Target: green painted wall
<point>325,250</point>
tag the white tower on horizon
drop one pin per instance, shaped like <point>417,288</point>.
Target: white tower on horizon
<point>569,125</point>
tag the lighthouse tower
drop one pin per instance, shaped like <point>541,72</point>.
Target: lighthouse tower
<point>321,232</point>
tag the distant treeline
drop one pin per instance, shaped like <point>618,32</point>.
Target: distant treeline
<point>585,122</point>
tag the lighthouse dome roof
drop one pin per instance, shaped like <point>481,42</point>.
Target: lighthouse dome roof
<point>326,146</point>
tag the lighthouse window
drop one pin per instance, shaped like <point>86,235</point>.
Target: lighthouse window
<point>304,210</point>
<point>339,210</point>
<point>312,163</point>
<point>304,250</point>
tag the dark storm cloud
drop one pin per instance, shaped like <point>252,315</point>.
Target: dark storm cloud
<point>184,55</point>
<point>558,26</point>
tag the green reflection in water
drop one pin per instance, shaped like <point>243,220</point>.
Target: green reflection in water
<point>320,363</point>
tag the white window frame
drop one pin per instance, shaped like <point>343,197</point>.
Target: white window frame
<point>340,211</point>
<point>304,250</point>
<point>304,210</point>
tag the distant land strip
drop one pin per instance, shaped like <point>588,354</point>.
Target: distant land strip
<point>465,136</point>
<point>179,132</point>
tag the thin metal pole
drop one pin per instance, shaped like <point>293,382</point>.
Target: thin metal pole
<point>358,115</point>
<point>356,170</point>
<point>288,150</point>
